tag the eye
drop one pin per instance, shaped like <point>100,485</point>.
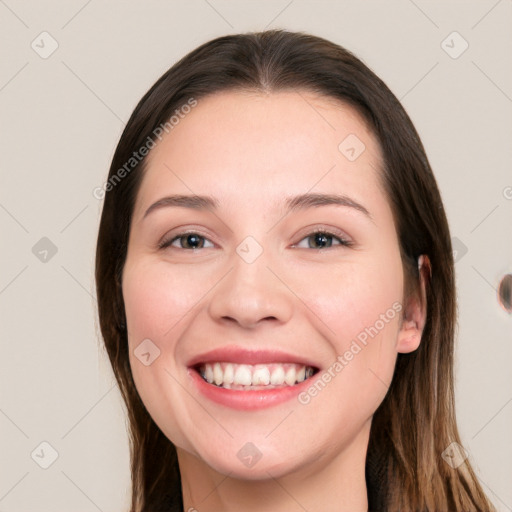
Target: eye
<point>321,239</point>
<point>318,239</point>
<point>186,241</point>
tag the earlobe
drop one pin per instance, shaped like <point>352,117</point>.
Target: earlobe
<point>409,336</point>
<point>415,313</point>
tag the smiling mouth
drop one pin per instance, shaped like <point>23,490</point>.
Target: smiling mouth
<point>247,377</point>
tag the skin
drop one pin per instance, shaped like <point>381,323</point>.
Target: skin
<point>250,150</point>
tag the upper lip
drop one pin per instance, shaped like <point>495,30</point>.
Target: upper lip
<point>237,354</point>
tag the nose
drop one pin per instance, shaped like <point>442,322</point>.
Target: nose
<point>250,294</point>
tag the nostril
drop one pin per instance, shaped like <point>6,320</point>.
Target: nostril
<point>247,322</point>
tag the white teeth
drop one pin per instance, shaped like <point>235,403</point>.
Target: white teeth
<point>229,374</point>
<point>277,378</point>
<point>261,376</point>
<point>301,374</point>
<point>218,374</point>
<point>243,375</point>
<point>290,376</point>
<point>208,373</point>
<point>246,376</point>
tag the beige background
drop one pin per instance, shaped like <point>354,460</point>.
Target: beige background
<point>61,118</point>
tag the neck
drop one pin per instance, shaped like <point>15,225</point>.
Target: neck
<point>328,483</point>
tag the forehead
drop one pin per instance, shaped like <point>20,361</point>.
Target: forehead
<point>260,146</point>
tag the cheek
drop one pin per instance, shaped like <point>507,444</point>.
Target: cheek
<point>352,297</point>
<point>359,307</point>
<point>156,299</point>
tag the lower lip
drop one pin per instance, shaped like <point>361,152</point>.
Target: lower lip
<point>246,400</point>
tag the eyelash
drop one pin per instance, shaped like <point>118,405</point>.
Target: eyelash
<point>343,242</point>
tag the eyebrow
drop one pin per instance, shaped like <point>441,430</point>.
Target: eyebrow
<point>295,203</point>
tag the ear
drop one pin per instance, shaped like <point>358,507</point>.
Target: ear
<point>415,313</point>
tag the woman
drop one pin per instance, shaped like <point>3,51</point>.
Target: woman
<point>276,289</point>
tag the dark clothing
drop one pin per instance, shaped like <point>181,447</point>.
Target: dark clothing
<point>375,478</point>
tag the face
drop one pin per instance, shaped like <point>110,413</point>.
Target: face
<point>264,316</point>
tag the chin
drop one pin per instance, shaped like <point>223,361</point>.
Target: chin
<point>249,462</point>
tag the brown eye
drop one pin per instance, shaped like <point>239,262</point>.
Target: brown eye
<point>324,239</point>
<point>191,241</point>
<point>321,240</point>
<point>186,241</point>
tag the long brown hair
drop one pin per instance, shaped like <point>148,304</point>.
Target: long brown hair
<point>415,423</point>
